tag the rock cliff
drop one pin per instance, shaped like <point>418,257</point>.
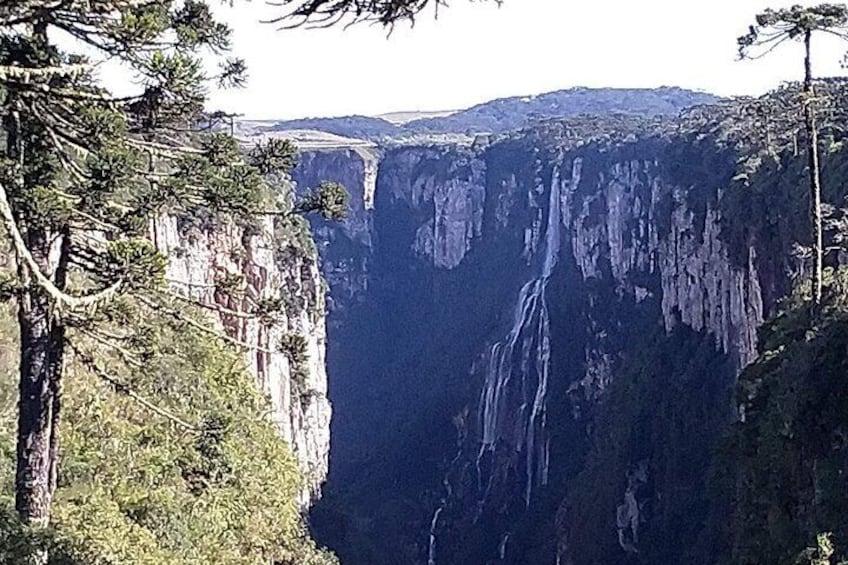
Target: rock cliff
<point>265,263</point>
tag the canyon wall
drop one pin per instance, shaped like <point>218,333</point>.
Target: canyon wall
<point>267,265</point>
<point>533,344</point>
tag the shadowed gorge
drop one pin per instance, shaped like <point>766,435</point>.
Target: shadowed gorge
<point>535,350</point>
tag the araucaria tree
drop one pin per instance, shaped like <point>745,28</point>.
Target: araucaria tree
<point>773,28</point>
<point>83,173</point>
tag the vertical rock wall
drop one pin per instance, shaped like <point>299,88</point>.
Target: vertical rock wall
<point>200,258</point>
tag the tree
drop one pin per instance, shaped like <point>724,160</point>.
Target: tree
<point>785,462</point>
<point>822,554</point>
<point>138,488</point>
<point>326,13</point>
<point>330,200</point>
<point>773,28</point>
<point>84,173</point>
<point>273,156</point>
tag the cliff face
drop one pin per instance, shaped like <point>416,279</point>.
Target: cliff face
<point>267,266</point>
<point>542,351</point>
<point>633,219</point>
<point>346,248</point>
<point>674,313</point>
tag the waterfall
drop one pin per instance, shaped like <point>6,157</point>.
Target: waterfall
<point>431,552</point>
<point>502,546</point>
<point>514,395</point>
<point>443,503</point>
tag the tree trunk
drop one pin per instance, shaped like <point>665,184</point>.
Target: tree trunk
<point>42,340</point>
<point>42,344</point>
<point>813,166</point>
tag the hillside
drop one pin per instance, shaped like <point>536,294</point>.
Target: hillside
<point>507,114</point>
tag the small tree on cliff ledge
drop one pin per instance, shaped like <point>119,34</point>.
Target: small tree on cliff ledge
<point>330,200</point>
<point>773,28</point>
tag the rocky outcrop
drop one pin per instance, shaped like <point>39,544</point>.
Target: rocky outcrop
<point>628,514</point>
<point>452,194</point>
<point>263,268</point>
<point>346,246</point>
<point>634,220</point>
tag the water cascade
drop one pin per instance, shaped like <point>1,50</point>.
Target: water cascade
<point>431,552</point>
<point>502,546</point>
<point>513,399</point>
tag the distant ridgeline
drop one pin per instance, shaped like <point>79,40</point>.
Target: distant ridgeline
<point>534,338</point>
<point>507,114</point>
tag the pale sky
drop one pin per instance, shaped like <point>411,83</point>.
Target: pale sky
<point>476,52</point>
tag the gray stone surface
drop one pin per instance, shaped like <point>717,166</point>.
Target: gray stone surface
<point>198,258</point>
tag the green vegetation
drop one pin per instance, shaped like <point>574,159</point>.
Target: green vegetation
<point>84,175</point>
<point>274,156</point>
<point>204,478</point>
<point>330,200</point>
<point>821,554</point>
<point>665,408</point>
<point>329,12</point>
<point>788,456</point>
<point>507,114</point>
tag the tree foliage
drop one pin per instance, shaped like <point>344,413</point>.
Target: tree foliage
<point>208,479</point>
<point>325,13</point>
<point>774,27</point>
<point>330,200</point>
<point>274,156</point>
<point>84,178</point>
<point>788,453</point>
<point>83,173</point>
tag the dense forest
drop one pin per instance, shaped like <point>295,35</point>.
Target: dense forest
<point>132,430</point>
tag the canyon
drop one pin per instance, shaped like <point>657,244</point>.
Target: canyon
<point>533,338</point>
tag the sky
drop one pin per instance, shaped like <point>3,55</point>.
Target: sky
<point>476,51</point>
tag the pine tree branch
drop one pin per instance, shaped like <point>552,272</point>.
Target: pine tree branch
<point>106,226</point>
<point>212,307</point>
<point>22,11</point>
<point>123,388</point>
<point>89,96</point>
<point>60,297</point>
<point>192,286</point>
<point>52,119</point>
<point>772,45</point>
<point>25,75</point>
<point>75,142</point>
<point>161,149</point>
<point>69,165</point>
<point>179,316</point>
<point>127,357</point>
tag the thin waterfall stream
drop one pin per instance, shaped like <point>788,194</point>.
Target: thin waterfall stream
<point>518,367</point>
<point>516,377</point>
